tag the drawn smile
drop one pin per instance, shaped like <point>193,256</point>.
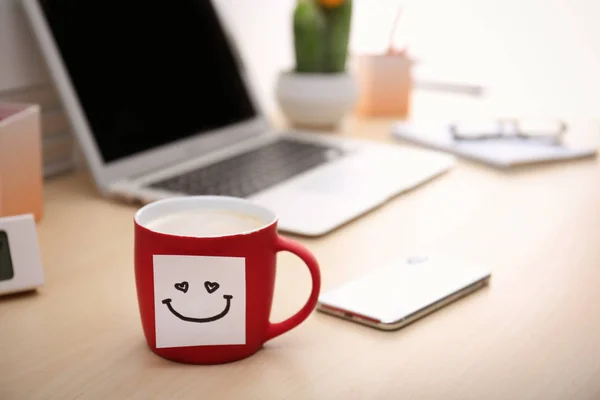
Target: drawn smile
<point>223,313</point>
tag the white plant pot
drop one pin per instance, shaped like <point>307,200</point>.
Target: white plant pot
<point>316,100</point>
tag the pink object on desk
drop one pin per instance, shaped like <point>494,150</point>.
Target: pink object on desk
<point>385,85</point>
<point>21,177</point>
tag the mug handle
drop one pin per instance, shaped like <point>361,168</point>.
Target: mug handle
<point>283,244</point>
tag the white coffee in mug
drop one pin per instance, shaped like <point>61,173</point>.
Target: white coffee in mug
<point>205,222</point>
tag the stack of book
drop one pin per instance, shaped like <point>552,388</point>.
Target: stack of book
<point>58,147</point>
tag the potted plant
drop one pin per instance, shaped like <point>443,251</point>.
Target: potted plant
<point>319,90</point>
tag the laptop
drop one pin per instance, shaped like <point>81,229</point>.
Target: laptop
<point>161,105</point>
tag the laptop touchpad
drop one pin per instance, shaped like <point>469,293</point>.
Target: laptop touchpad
<point>355,176</point>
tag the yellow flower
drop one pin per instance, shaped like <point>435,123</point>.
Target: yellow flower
<point>331,3</point>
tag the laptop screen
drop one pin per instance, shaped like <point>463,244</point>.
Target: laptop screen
<point>148,73</point>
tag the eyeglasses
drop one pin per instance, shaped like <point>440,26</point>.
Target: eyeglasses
<point>548,131</point>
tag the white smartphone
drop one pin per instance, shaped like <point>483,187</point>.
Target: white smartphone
<point>402,292</point>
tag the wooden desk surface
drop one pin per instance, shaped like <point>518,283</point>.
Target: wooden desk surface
<point>534,333</point>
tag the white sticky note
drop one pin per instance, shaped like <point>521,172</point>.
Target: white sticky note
<point>199,300</point>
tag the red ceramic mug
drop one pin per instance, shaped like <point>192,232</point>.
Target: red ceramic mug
<point>206,298</point>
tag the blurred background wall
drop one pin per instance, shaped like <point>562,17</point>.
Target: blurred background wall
<point>525,48</point>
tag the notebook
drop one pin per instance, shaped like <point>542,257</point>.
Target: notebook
<point>499,153</point>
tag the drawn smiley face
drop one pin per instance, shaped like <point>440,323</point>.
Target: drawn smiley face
<point>199,300</point>
<point>210,287</point>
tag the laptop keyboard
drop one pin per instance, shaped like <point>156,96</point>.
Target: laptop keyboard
<point>253,171</point>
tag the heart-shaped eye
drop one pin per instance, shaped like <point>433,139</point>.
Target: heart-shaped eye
<point>182,286</point>
<point>211,287</point>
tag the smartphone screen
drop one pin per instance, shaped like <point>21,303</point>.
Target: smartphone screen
<point>399,293</point>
